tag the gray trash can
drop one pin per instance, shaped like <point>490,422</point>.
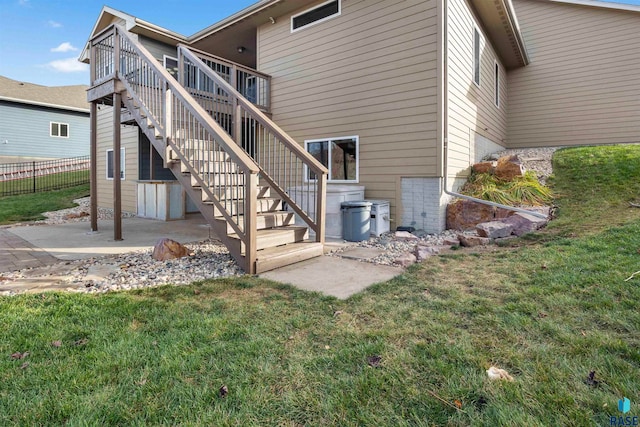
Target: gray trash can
<point>356,224</point>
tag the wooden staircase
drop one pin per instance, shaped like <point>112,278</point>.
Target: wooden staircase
<point>245,202</point>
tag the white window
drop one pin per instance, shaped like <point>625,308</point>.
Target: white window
<point>339,155</point>
<point>316,15</point>
<point>496,84</point>
<point>110,163</point>
<point>477,41</point>
<point>59,130</point>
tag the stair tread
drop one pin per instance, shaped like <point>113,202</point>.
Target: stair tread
<point>273,231</point>
<point>282,256</point>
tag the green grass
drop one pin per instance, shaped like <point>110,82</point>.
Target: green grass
<point>43,183</point>
<point>549,312</point>
<point>29,207</point>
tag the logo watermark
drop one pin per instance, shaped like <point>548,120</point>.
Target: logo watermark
<point>624,406</point>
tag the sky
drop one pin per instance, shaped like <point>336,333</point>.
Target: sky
<point>40,40</point>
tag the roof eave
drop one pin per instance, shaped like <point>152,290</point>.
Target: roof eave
<point>43,104</point>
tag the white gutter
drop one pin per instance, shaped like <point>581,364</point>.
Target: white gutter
<point>445,127</point>
<point>44,104</point>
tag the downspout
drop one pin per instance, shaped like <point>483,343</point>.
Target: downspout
<point>445,124</point>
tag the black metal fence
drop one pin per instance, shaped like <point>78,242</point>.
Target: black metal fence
<point>34,177</point>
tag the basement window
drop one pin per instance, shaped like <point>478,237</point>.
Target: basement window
<point>339,155</point>
<point>496,83</point>
<point>316,15</point>
<point>110,164</point>
<point>477,40</point>
<point>59,130</point>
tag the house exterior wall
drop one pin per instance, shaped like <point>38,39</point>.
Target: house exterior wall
<point>25,132</point>
<point>369,72</point>
<point>583,84</point>
<point>475,124</point>
<point>129,141</point>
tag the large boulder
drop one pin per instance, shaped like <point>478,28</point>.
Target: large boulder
<point>423,252</point>
<point>509,167</point>
<point>466,214</point>
<point>405,260</point>
<point>523,223</point>
<point>166,249</point>
<point>494,229</point>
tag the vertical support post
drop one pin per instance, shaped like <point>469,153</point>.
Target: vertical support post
<point>321,207</point>
<point>237,122</point>
<point>168,123</point>
<point>117,183</point>
<point>93,168</point>
<point>116,52</point>
<point>33,173</point>
<point>250,221</point>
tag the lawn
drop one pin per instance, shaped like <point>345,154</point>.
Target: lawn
<point>29,207</point>
<point>411,351</point>
<point>54,181</point>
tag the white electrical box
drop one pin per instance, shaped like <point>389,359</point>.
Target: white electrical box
<point>380,217</point>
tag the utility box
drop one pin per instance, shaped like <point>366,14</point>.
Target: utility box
<point>355,220</point>
<point>380,217</point>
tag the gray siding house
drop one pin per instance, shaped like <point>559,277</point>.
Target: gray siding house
<point>40,122</point>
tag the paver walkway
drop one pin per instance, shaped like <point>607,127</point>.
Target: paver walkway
<point>17,254</point>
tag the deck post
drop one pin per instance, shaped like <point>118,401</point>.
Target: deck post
<point>93,192</point>
<point>117,182</point>
<point>250,221</point>
<point>321,207</point>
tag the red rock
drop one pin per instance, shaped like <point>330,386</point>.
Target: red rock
<point>509,167</point>
<point>484,167</point>
<point>466,214</point>
<point>169,249</point>
<point>470,241</point>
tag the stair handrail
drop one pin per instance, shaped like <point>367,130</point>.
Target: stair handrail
<point>171,91</point>
<point>310,162</point>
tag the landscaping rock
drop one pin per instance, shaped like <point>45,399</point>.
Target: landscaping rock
<point>509,167</point>
<point>494,229</point>
<point>405,260</point>
<point>405,236</point>
<point>470,241</point>
<point>466,214</point>
<point>484,167</point>
<point>451,241</point>
<point>424,252</point>
<point>166,249</point>
<point>524,223</point>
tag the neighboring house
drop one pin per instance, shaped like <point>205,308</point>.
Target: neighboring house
<point>400,97</point>
<point>41,122</point>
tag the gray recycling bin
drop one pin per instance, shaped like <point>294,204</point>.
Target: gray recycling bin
<point>356,224</point>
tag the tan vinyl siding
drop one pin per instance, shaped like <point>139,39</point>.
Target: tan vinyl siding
<point>583,84</point>
<point>471,109</point>
<point>369,72</point>
<point>158,49</point>
<point>129,141</point>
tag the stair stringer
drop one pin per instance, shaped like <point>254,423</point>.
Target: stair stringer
<point>160,144</point>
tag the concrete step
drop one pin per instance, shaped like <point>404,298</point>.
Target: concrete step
<point>280,256</point>
<point>274,237</point>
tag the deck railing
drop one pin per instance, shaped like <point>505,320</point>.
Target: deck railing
<point>298,177</point>
<point>187,129</point>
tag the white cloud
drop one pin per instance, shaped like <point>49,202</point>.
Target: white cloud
<point>54,24</point>
<point>69,65</point>
<point>64,47</point>
<point>25,3</point>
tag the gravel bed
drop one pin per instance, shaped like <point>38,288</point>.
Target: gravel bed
<point>394,247</point>
<point>534,159</point>
<point>79,213</point>
<point>210,259</point>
